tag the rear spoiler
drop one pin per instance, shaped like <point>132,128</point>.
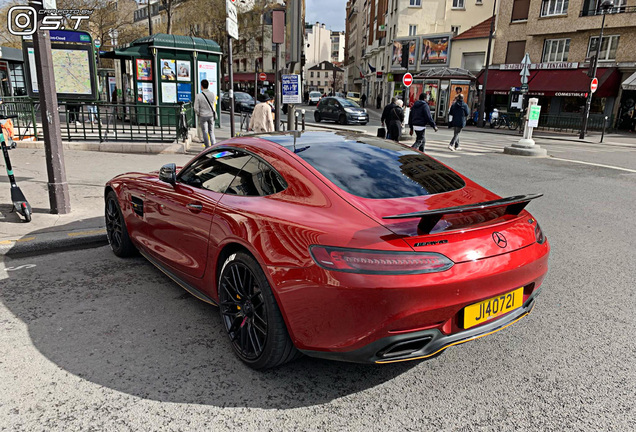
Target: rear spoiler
<point>429,218</point>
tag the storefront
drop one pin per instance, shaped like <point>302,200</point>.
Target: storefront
<point>12,78</point>
<point>561,88</point>
<point>626,116</point>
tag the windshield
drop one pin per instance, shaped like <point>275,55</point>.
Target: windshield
<point>315,94</point>
<point>353,95</point>
<point>242,97</point>
<point>348,104</point>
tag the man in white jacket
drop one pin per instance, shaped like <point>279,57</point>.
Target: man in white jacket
<point>204,107</point>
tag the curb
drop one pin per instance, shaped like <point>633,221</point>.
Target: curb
<point>112,147</point>
<point>50,242</point>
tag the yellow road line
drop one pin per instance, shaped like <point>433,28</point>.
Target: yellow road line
<point>81,233</point>
<point>26,239</point>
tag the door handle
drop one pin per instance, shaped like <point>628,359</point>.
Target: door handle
<point>194,207</point>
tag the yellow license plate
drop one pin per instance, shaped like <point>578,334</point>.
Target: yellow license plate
<point>493,307</point>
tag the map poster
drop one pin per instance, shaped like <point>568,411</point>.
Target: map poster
<point>168,92</point>
<point>168,70</point>
<point>184,92</point>
<point>144,93</point>
<point>72,71</point>
<point>183,70</point>
<point>207,70</point>
<point>144,70</point>
<point>435,50</point>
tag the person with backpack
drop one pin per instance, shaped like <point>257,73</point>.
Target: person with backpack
<point>419,118</point>
<point>459,110</point>
<point>204,108</point>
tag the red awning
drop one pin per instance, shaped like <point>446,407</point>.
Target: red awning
<point>562,82</point>
<point>248,77</point>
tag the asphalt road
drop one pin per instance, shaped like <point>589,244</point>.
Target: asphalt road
<point>93,342</point>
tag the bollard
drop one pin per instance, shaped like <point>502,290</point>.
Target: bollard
<point>296,121</point>
<point>604,125</point>
<point>303,119</point>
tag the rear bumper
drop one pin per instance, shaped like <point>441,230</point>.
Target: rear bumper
<point>423,344</point>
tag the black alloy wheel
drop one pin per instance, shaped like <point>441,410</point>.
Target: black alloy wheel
<point>116,228</point>
<point>251,316</point>
<point>342,119</point>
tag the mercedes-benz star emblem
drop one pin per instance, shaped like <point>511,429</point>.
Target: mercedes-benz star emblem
<point>499,239</point>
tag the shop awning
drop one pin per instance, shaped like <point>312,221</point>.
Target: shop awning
<point>248,77</point>
<point>562,82</point>
<point>630,83</point>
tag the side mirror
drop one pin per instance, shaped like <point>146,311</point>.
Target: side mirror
<point>168,173</point>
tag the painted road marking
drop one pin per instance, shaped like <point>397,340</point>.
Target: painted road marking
<point>81,233</point>
<point>595,164</point>
<point>7,242</point>
<point>20,267</point>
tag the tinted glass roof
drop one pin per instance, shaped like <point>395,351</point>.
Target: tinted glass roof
<point>370,167</point>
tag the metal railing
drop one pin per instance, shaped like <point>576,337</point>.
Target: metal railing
<point>86,121</point>
<point>571,123</point>
<point>614,10</point>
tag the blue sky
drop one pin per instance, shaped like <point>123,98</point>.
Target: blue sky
<point>330,12</point>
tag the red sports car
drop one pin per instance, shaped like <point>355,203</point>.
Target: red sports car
<point>333,245</point>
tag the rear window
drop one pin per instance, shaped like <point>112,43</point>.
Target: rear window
<point>373,168</point>
<point>315,94</point>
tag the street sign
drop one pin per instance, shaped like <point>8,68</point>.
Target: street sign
<point>231,10</point>
<point>262,76</point>
<point>594,85</point>
<point>232,28</point>
<point>525,69</point>
<point>98,43</point>
<point>291,89</point>
<point>407,79</point>
<point>533,116</point>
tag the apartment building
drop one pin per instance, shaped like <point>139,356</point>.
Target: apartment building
<point>427,27</point>
<point>337,46</point>
<point>560,36</point>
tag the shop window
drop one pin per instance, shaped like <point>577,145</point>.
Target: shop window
<point>516,51</point>
<point>520,10</point>
<point>554,7</point>
<point>555,50</point>
<point>609,46</point>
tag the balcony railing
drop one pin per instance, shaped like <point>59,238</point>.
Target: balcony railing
<point>614,10</point>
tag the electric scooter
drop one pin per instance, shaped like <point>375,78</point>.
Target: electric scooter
<point>20,204</point>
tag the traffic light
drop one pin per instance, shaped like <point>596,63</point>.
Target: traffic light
<point>405,55</point>
<point>590,70</point>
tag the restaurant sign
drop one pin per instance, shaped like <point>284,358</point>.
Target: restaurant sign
<point>541,66</point>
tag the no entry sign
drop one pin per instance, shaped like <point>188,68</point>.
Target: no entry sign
<point>594,85</point>
<point>262,76</point>
<point>407,79</point>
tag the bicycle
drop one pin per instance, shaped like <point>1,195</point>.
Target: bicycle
<point>505,120</point>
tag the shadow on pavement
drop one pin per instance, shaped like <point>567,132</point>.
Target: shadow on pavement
<point>122,324</point>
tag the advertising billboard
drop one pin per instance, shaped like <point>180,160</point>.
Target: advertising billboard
<point>396,55</point>
<point>435,50</point>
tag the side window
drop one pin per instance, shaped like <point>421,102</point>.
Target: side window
<point>257,178</point>
<point>215,170</point>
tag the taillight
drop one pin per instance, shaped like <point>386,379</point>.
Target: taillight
<point>538,234</point>
<point>378,262</point>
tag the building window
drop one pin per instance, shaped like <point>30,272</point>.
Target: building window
<point>520,10</point>
<point>414,3</point>
<point>555,50</point>
<point>479,2</point>
<point>455,30</point>
<point>412,30</point>
<point>311,74</point>
<point>318,74</point>
<point>473,61</point>
<point>609,45</point>
<point>459,4</point>
<point>516,51</point>
<point>554,7</point>
<point>311,83</point>
<point>592,7</point>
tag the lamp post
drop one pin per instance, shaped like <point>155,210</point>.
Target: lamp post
<point>482,103</point>
<point>605,6</point>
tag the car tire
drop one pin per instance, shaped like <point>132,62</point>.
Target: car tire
<point>116,230</point>
<point>250,314</point>
<point>342,119</point>
<point>317,117</point>
<point>364,124</point>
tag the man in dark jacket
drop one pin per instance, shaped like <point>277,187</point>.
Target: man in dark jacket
<point>459,110</point>
<point>419,118</point>
<point>393,116</point>
<point>385,115</point>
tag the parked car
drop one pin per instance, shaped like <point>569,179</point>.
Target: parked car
<point>314,97</point>
<point>243,102</point>
<point>353,96</point>
<point>343,111</point>
<point>333,244</point>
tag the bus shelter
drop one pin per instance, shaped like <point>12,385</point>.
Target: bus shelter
<point>441,86</point>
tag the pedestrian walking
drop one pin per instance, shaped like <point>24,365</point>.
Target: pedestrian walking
<point>204,108</point>
<point>378,102</point>
<point>385,116</point>
<point>395,120</point>
<point>419,118</point>
<point>459,110</point>
<point>363,100</point>
<point>262,120</point>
